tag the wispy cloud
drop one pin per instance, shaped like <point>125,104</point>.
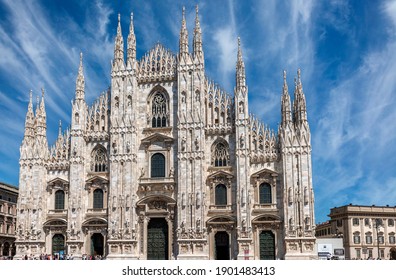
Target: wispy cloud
<point>356,130</point>
<point>41,51</point>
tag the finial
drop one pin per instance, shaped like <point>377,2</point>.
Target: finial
<point>239,49</point>
<point>196,17</point>
<point>81,57</point>
<point>30,95</point>
<point>183,12</point>
<point>284,76</point>
<point>299,75</point>
<point>131,25</point>
<point>119,17</point>
<point>60,127</point>
<point>42,92</point>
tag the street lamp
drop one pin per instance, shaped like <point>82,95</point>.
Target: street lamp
<point>377,225</point>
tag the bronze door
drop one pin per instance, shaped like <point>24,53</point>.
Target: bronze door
<point>267,245</point>
<point>157,239</point>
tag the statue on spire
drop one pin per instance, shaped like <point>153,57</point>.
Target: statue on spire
<point>131,48</point>
<point>118,62</point>
<point>198,52</point>
<point>80,82</point>
<point>183,45</point>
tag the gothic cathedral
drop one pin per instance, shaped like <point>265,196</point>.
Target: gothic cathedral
<point>166,165</point>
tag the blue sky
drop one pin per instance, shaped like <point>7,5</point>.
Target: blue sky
<point>346,51</point>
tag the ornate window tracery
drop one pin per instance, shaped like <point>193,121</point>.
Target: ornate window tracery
<point>99,160</point>
<point>159,110</point>
<point>220,155</point>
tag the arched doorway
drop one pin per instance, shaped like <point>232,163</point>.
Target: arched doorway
<point>58,244</point>
<point>97,244</point>
<point>157,239</point>
<point>222,245</point>
<point>6,249</point>
<point>267,245</point>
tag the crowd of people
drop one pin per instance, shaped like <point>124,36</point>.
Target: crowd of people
<point>62,257</point>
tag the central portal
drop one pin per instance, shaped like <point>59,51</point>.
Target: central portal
<point>157,239</point>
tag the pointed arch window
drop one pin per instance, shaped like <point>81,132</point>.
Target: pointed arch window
<point>220,155</point>
<point>98,199</point>
<point>265,193</point>
<point>157,165</point>
<point>159,110</point>
<point>59,200</point>
<point>221,195</point>
<point>99,160</point>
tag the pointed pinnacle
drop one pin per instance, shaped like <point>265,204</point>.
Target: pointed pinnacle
<point>239,49</point>
<point>299,75</point>
<point>184,18</point>
<point>119,25</point>
<point>131,25</point>
<point>60,128</point>
<point>196,16</point>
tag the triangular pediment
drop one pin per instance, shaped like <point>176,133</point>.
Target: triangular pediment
<point>157,137</point>
<point>220,173</point>
<point>97,178</point>
<point>265,171</point>
<point>58,181</point>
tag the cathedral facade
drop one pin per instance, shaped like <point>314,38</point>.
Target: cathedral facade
<point>166,165</point>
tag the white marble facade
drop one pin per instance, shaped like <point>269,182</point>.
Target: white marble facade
<point>166,165</point>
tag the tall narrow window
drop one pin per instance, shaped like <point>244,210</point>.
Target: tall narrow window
<point>265,193</point>
<point>220,195</point>
<point>159,110</point>
<point>220,154</point>
<point>158,165</point>
<point>59,199</point>
<point>98,199</point>
<point>355,221</point>
<point>99,160</point>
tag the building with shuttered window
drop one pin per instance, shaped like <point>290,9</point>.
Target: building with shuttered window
<point>8,203</point>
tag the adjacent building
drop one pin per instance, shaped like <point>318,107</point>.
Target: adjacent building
<point>8,204</point>
<point>368,232</point>
<point>167,165</point>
